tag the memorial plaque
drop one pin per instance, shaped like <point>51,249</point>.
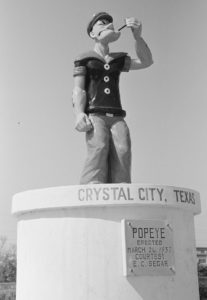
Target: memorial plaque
<point>148,247</point>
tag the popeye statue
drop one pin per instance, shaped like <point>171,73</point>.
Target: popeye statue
<point>97,104</point>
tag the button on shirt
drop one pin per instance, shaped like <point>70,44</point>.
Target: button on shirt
<point>106,78</point>
<point>107,91</point>
<point>106,66</point>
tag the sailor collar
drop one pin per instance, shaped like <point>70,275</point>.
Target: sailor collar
<point>93,54</point>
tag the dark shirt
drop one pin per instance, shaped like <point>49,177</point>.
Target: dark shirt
<point>102,81</point>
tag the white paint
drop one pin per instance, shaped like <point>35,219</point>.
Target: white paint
<point>71,248</point>
<point>107,195</point>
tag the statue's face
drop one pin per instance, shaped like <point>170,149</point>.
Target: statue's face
<point>103,31</point>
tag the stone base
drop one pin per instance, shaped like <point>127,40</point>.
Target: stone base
<point>75,243</point>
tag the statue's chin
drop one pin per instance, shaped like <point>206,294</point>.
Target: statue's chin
<point>109,36</point>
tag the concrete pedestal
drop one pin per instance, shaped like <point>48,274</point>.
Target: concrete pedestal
<point>74,243</point>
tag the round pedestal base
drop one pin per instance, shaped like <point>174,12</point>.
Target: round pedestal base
<point>107,242</point>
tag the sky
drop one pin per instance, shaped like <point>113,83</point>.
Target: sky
<point>165,104</point>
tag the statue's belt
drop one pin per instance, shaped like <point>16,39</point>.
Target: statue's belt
<point>111,114</point>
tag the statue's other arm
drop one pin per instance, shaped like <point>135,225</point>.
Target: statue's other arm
<point>82,123</point>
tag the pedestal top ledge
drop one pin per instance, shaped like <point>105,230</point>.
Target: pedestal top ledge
<point>98,195</point>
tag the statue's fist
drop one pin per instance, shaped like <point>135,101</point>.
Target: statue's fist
<point>83,123</point>
<point>135,25</point>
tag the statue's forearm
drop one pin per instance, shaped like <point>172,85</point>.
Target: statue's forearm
<point>79,100</point>
<point>143,52</point>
